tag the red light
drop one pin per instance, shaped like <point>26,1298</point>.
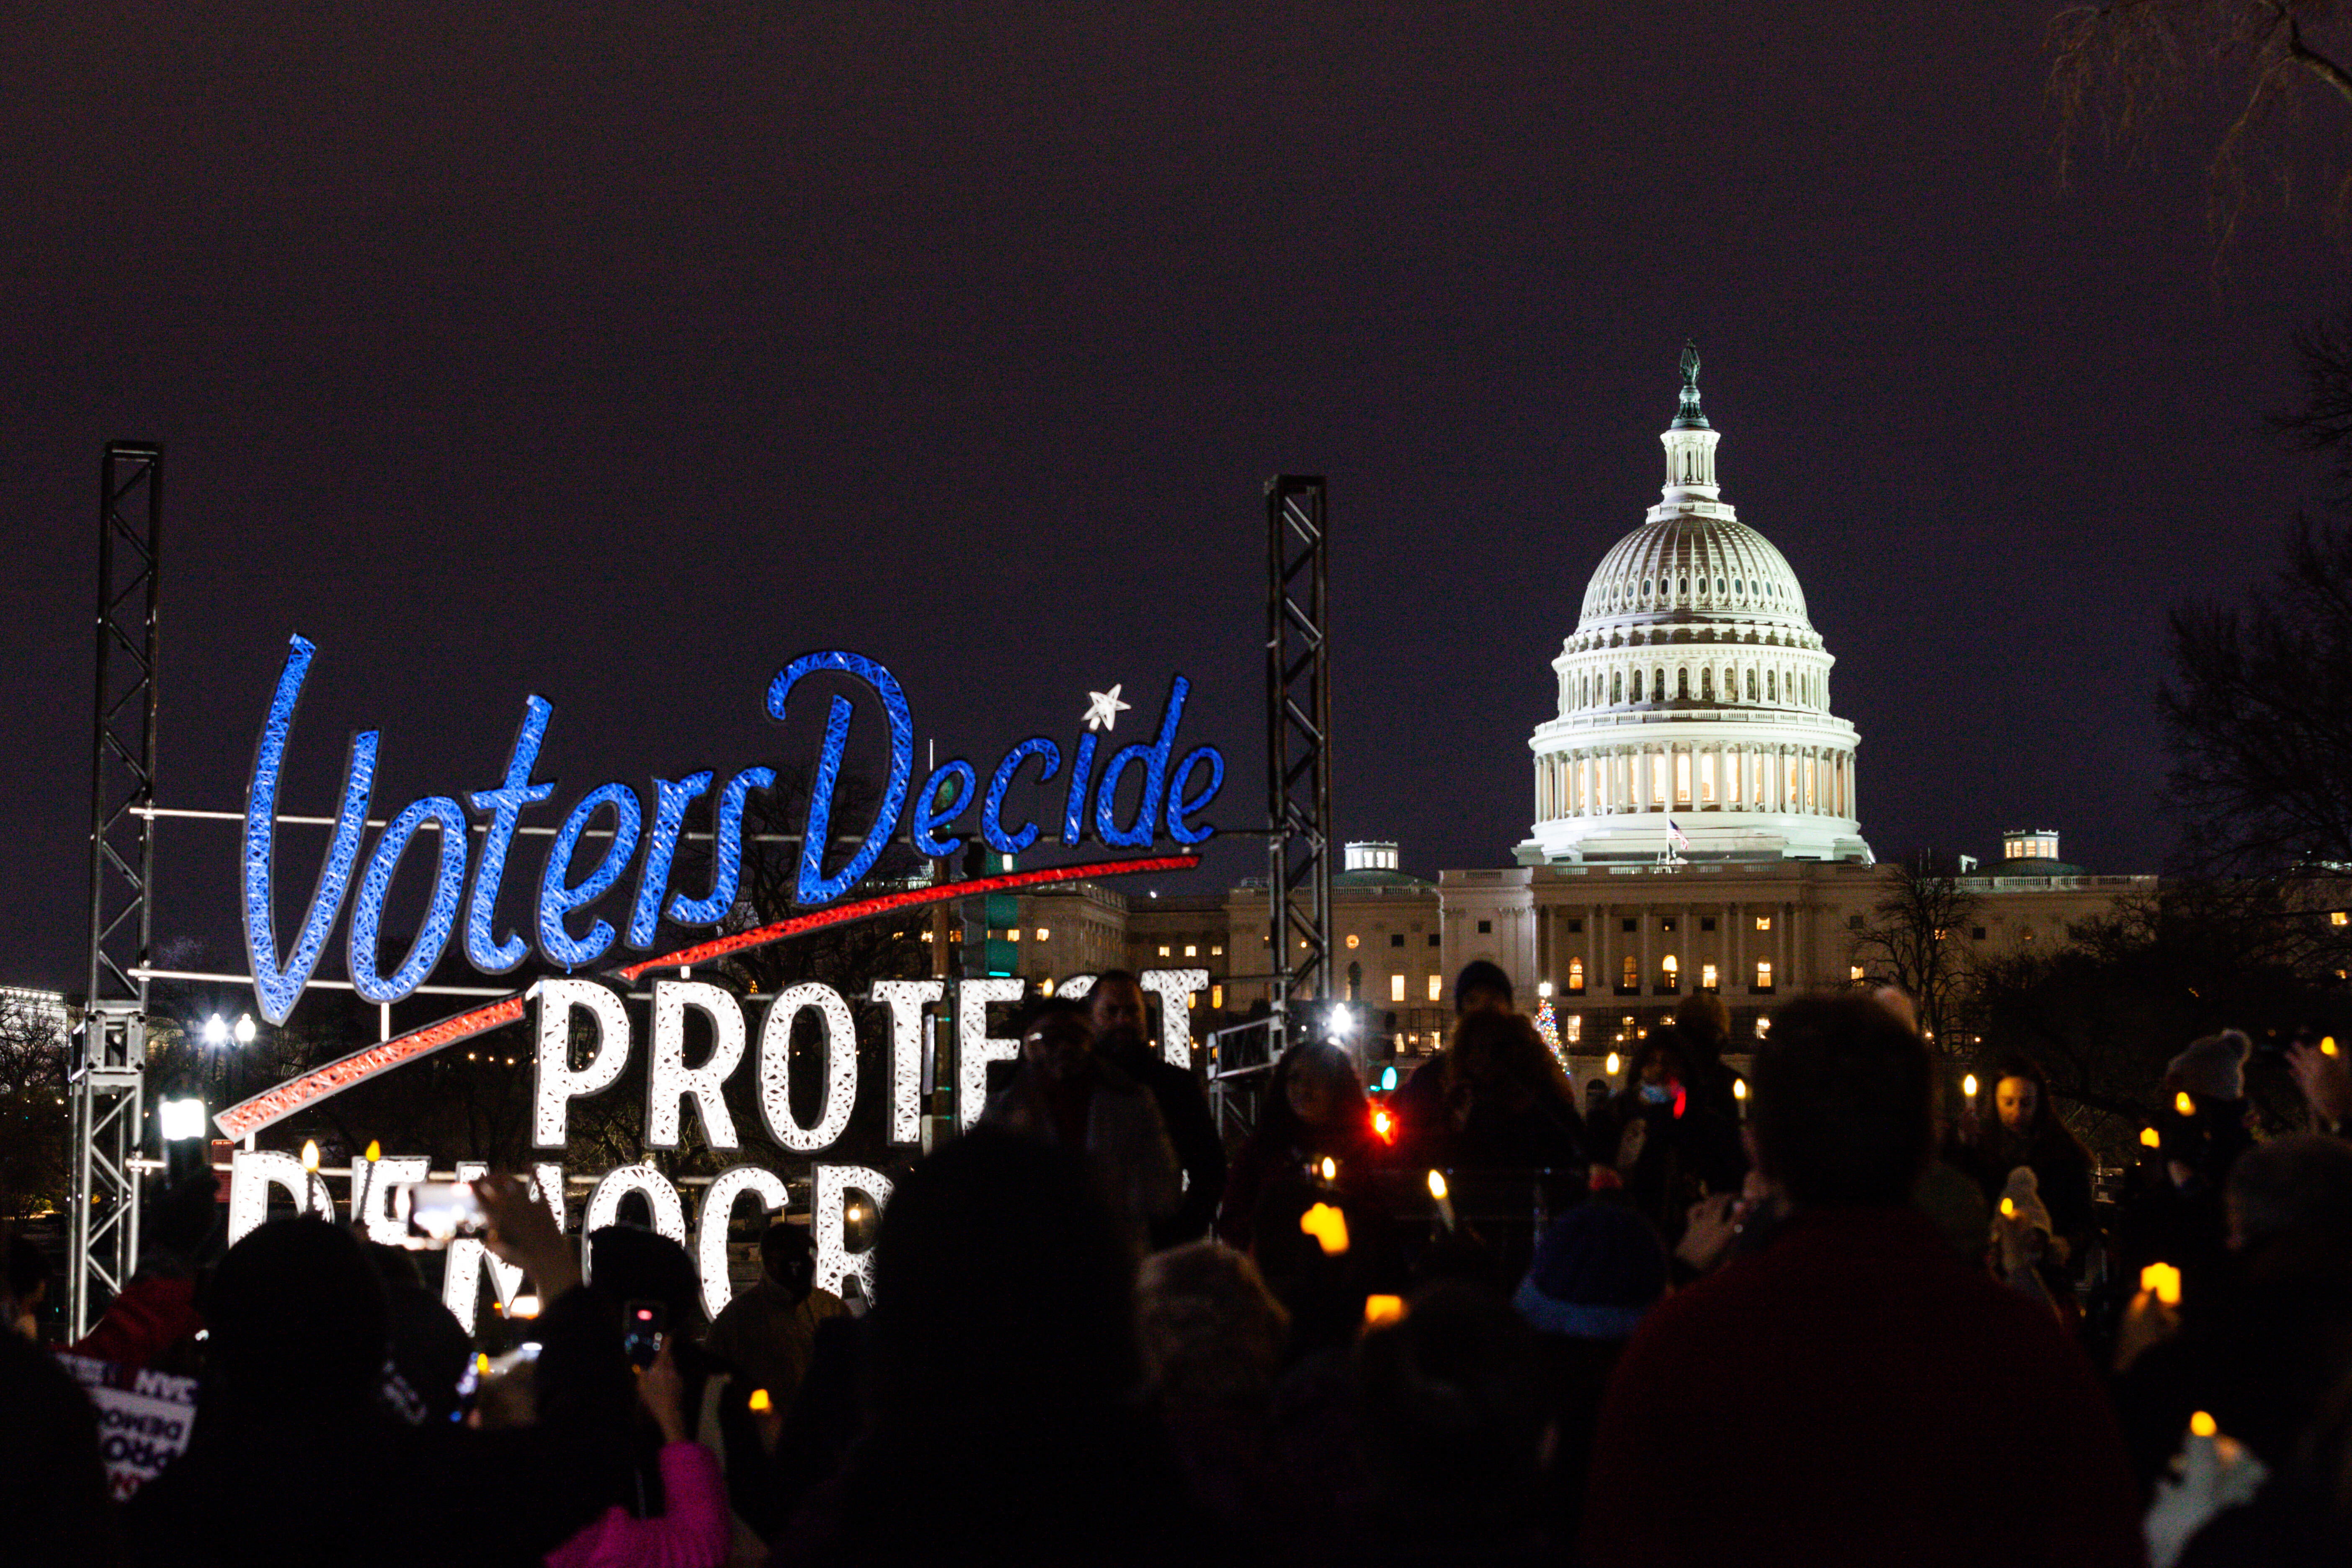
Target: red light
<point>645,1314</point>
<point>1385,1125</point>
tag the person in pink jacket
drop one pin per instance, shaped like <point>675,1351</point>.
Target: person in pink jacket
<point>693,1530</point>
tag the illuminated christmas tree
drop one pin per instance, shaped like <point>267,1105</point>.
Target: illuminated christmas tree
<point>1548,1027</point>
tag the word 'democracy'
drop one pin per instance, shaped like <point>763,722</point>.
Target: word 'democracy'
<point>596,1013</point>
<point>1170,792</point>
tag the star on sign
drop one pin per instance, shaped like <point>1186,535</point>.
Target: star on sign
<point>1103,708</point>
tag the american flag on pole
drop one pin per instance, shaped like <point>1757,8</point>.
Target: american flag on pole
<point>1682,840</point>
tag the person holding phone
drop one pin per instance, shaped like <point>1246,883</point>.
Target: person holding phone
<point>693,1530</point>
<point>290,1427</point>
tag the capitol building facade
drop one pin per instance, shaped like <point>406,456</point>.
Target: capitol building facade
<point>1695,823</point>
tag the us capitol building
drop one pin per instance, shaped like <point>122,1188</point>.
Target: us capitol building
<point>1695,823</point>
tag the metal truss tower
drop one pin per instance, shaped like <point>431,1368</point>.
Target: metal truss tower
<point>1298,743</point>
<point>108,1059</point>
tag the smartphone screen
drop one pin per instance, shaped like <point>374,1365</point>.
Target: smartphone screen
<point>642,1327</point>
<point>437,1213</point>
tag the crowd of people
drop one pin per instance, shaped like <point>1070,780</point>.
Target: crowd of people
<point>1833,1310</point>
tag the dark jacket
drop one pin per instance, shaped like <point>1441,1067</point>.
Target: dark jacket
<point>1191,1131</point>
<point>2062,1174</point>
<point>1127,1149</point>
<point>362,1487</point>
<point>1857,1393</point>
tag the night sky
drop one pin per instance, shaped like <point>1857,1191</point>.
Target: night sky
<point>620,351</point>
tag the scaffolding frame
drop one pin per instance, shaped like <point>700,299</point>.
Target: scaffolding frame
<point>1298,745</point>
<point>106,1072</point>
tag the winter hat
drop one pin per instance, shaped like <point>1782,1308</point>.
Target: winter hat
<point>1596,1271</point>
<point>2215,1066</point>
<point>2024,1193</point>
<point>1479,974</point>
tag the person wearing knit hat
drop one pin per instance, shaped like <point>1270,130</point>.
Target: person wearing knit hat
<point>1596,1271</point>
<point>2214,1067</point>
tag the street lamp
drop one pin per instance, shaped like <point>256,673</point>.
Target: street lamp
<point>214,1031</point>
<point>245,1028</point>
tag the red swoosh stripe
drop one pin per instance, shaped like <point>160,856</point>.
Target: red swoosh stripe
<point>250,1116</point>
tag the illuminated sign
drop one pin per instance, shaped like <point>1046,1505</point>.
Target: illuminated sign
<point>671,1087</point>
<point>1173,792</point>
<point>1169,793</point>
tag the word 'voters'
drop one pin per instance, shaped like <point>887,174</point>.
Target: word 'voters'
<point>1170,792</point>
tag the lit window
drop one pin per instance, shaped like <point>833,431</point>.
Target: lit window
<point>1191,950</point>
<point>1853,972</point>
<point>1707,978</point>
<point>2338,916</point>
<point>1163,950</point>
<point>1763,974</point>
<point>1763,922</point>
<point>1670,972</point>
<point>1216,996</point>
<point>1217,949</point>
<point>1437,988</point>
<point>1396,987</point>
<point>1043,934</point>
<point>1633,973</point>
<point>1575,1030</point>
<point>1576,974</point>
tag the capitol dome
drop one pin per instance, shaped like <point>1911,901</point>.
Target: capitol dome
<point>1694,717</point>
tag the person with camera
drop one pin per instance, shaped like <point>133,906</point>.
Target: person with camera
<point>294,1458</point>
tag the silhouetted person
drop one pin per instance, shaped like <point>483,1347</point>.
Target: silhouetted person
<point>1067,1095</point>
<point>1314,1108</point>
<point>1002,1359</point>
<point>1115,1006</point>
<point>53,1487</point>
<point>769,1330</point>
<point>294,1459</point>
<point>1419,1103</point>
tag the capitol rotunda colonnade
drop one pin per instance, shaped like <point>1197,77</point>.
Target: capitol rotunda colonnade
<point>1694,719</point>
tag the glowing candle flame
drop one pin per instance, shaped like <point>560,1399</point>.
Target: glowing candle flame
<point>1329,1226</point>
<point>2150,1138</point>
<point>2161,1280</point>
<point>1615,1064</point>
<point>761,1403</point>
<point>1381,1310</point>
<point>1437,1185</point>
<point>2183,1104</point>
<point>1385,1125</point>
<point>1331,1168</point>
<point>375,1151</point>
<point>1740,1089</point>
<point>310,1153</point>
<point>2328,1046</point>
<point>2202,1424</point>
<point>1969,1085</point>
<point>2009,1208</point>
